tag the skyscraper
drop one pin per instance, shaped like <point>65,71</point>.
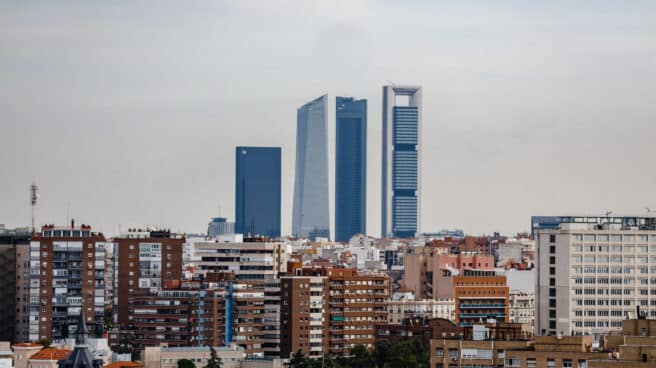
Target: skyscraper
<point>310,216</point>
<point>401,161</point>
<point>257,191</point>
<point>350,167</point>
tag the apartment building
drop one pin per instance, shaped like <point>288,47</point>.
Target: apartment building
<point>593,271</point>
<point>143,261</point>
<point>14,284</point>
<point>404,305</point>
<point>428,271</point>
<point>67,265</point>
<point>357,303</point>
<point>522,309</point>
<point>255,265</point>
<point>231,356</point>
<point>479,346</point>
<point>481,297</point>
<point>304,315</point>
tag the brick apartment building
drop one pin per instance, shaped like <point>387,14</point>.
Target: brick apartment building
<point>67,265</point>
<point>351,306</point>
<point>479,297</point>
<point>143,261</point>
<point>428,271</point>
<point>14,284</point>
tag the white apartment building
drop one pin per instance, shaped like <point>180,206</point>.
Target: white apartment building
<point>404,305</point>
<point>593,272</point>
<point>522,309</point>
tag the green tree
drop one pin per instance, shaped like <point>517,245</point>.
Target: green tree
<point>45,343</point>
<point>186,363</point>
<point>108,318</point>
<point>298,360</point>
<point>214,361</point>
<point>403,354</point>
<point>360,357</point>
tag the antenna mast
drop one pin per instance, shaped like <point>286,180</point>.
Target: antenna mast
<point>34,196</point>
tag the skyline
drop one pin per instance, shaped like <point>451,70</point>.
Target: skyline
<point>550,112</point>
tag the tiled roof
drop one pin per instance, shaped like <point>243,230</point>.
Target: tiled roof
<point>51,354</point>
<point>124,364</point>
<point>27,345</point>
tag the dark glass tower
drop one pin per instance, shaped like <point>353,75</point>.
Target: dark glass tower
<point>257,191</point>
<point>350,168</point>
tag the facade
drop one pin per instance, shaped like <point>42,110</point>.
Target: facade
<point>143,260</point>
<point>310,212</point>
<point>167,357</point>
<point>592,272</point>
<point>23,352</point>
<point>257,191</point>
<point>481,298</point>
<point>304,315</point>
<point>481,346</point>
<point>14,284</point>
<point>219,226</point>
<point>403,306</point>
<point>429,270</point>
<point>254,291</point>
<point>350,168</point>
<point>67,266</point>
<point>555,351</point>
<point>522,309</point>
<point>401,161</point>
<point>357,303</point>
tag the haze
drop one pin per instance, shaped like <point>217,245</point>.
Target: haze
<point>128,113</point>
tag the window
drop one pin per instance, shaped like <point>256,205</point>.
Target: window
<point>552,249</point>
<point>552,260</point>
<point>567,363</point>
<point>551,363</point>
<point>439,353</point>
<point>552,238</point>
<point>552,271</point>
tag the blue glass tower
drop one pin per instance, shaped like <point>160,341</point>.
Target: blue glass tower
<point>310,215</point>
<point>350,168</point>
<point>257,191</point>
<point>401,161</point>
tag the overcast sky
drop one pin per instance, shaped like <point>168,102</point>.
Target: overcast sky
<point>128,112</point>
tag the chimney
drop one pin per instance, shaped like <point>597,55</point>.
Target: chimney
<point>72,223</point>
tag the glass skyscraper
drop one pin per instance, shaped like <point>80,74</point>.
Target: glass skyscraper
<point>257,191</point>
<point>310,215</point>
<point>350,167</point>
<point>401,161</point>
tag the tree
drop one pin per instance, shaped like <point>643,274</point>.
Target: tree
<point>215,361</point>
<point>298,360</point>
<point>186,363</point>
<point>360,357</point>
<point>108,318</point>
<point>45,343</point>
<point>405,354</point>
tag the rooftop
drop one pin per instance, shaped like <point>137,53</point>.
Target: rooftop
<point>51,354</point>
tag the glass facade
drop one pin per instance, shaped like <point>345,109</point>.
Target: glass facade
<point>401,161</point>
<point>257,191</point>
<point>310,214</point>
<point>350,167</point>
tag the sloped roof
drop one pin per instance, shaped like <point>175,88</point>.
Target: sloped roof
<point>51,354</point>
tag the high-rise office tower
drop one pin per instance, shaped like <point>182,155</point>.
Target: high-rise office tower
<point>350,167</point>
<point>310,216</point>
<point>593,272</point>
<point>401,161</point>
<point>257,191</point>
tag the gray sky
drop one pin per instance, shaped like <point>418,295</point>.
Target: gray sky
<point>130,111</point>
